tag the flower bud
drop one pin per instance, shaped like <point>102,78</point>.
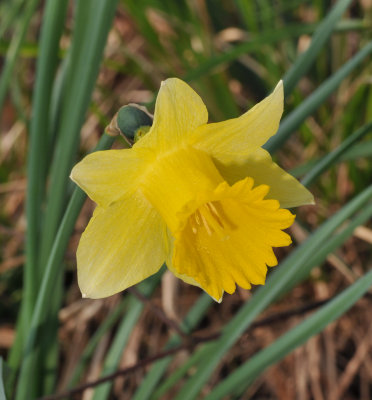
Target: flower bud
<point>131,121</point>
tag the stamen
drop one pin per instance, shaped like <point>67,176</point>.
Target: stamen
<point>215,213</point>
<point>205,223</point>
<point>197,217</point>
<point>209,217</point>
<point>192,223</point>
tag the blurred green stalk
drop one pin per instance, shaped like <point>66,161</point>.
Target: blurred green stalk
<point>47,62</point>
<point>26,383</point>
<point>15,45</point>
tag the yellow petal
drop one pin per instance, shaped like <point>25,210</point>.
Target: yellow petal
<point>176,178</point>
<point>122,245</point>
<point>259,165</point>
<point>229,240</point>
<point>234,139</point>
<point>107,176</point>
<point>178,111</point>
<point>169,263</point>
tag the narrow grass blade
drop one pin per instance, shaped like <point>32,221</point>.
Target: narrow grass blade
<point>277,283</point>
<point>149,383</point>
<point>93,21</point>
<point>92,24</point>
<point>27,374</point>
<point>247,14</point>
<point>49,343</point>
<point>242,377</point>
<point>51,31</point>
<point>9,13</point>
<point>113,357</point>
<point>332,243</point>
<point>332,157</point>
<point>308,106</point>
<point>256,42</point>
<point>359,150</point>
<point>107,324</point>
<point>52,27</point>
<point>17,100</point>
<point>47,62</point>
<point>175,376</point>
<point>15,45</point>
<point>320,37</point>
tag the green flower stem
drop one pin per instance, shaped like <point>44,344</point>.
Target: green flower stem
<point>26,389</point>
<point>308,106</point>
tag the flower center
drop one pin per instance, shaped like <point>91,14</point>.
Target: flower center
<point>181,178</point>
<point>229,239</point>
<point>211,218</point>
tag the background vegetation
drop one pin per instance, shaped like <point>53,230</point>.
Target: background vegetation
<point>67,66</point>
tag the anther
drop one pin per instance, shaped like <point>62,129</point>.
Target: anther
<point>205,223</point>
<point>197,218</point>
<point>215,213</point>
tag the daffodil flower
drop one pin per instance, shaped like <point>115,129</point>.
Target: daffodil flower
<point>204,198</point>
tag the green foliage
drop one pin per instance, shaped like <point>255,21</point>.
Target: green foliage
<point>230,69</point>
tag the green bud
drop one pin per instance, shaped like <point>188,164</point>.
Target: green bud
<point>130,118</point>
<point>131,121</point>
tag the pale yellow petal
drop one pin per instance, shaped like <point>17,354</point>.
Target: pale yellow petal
<point>234,139</point>
<point>107,176</point>
<point>179,110</point>
<point>122,245</point>
<point>259,165</point>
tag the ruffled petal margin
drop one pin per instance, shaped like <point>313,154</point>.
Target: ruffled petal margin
<point>230,240</point>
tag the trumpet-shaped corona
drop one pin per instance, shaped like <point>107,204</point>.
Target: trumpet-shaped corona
<point>205,198</point>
